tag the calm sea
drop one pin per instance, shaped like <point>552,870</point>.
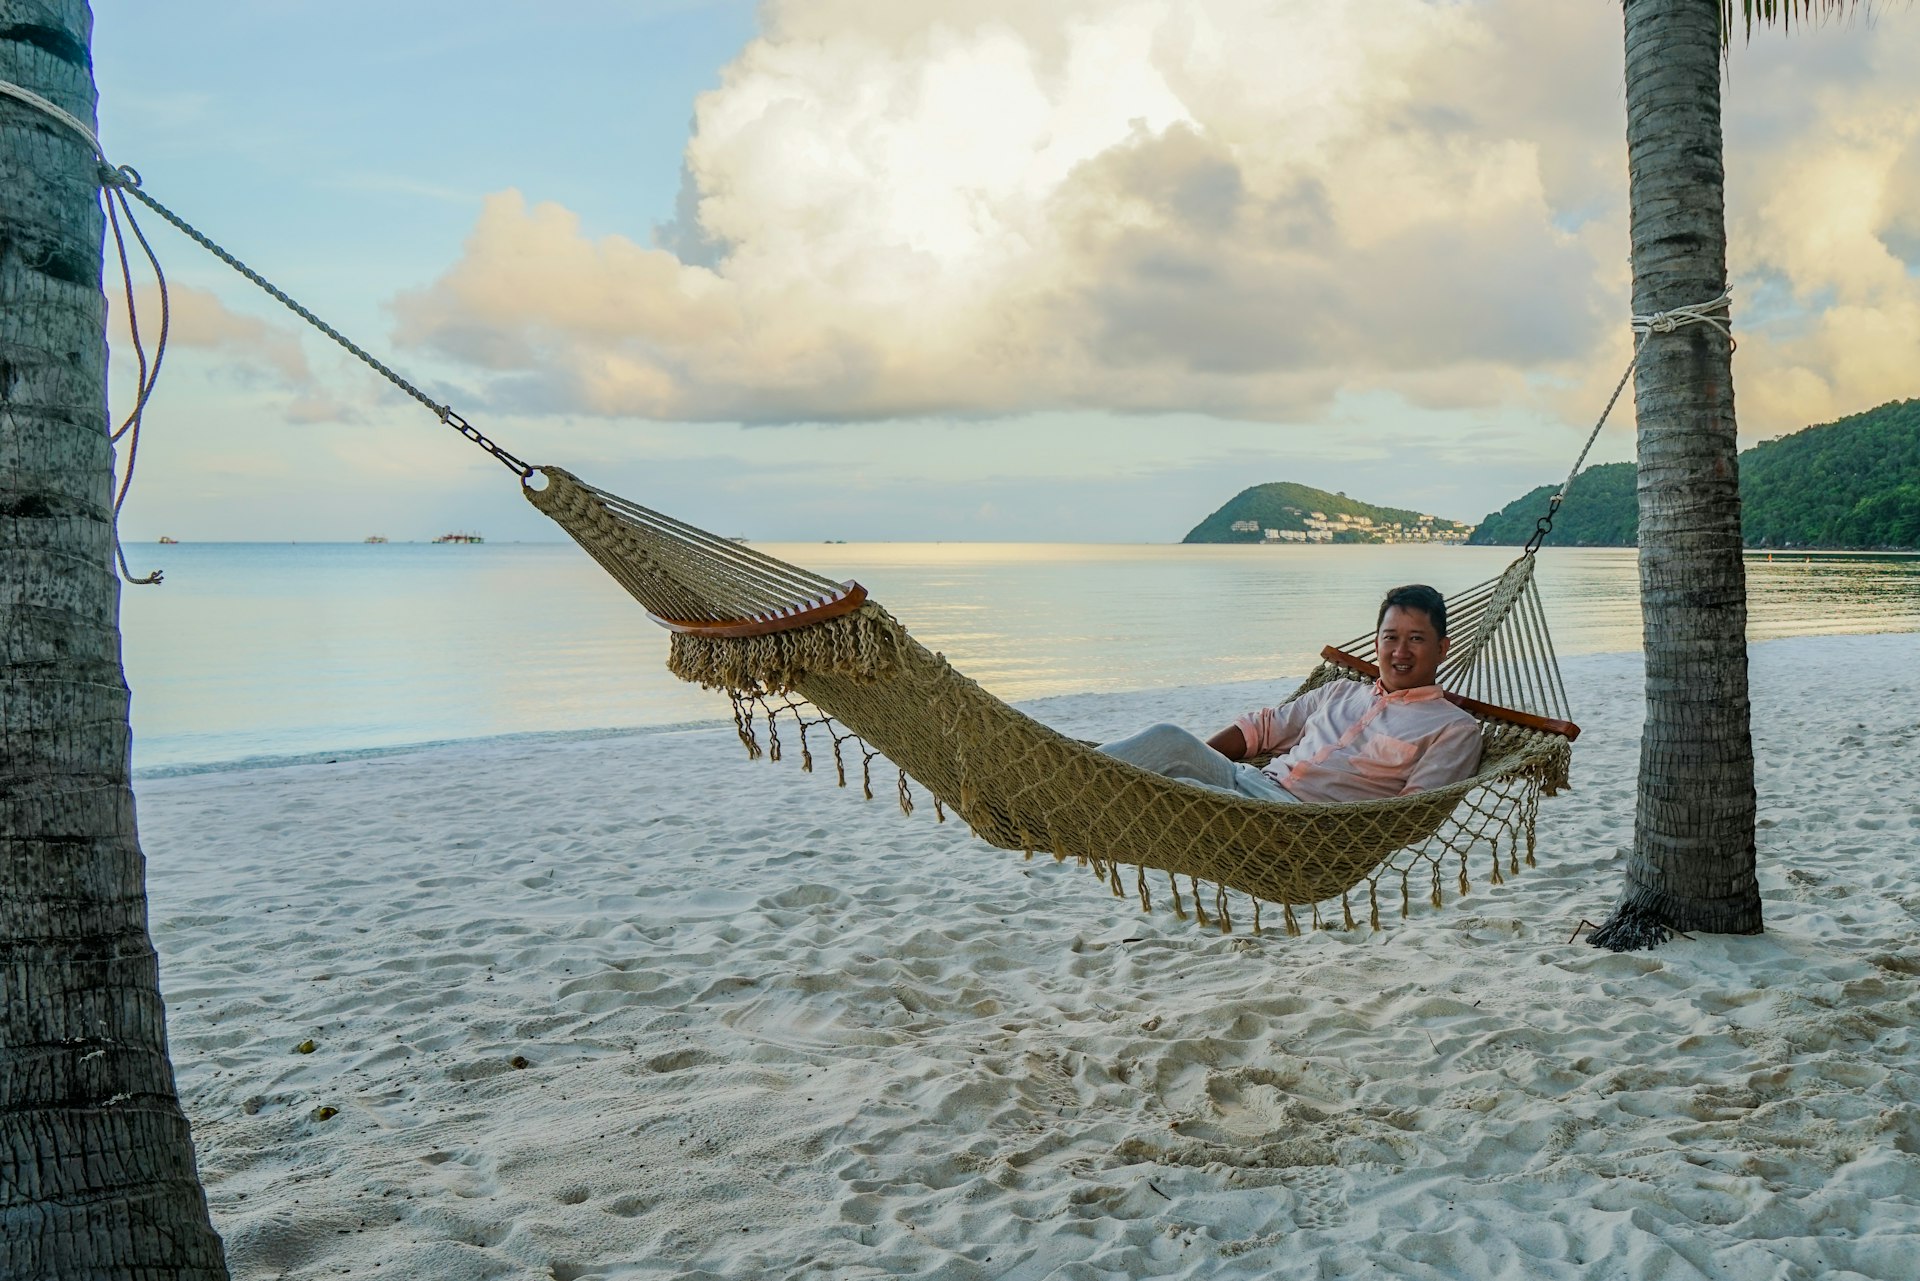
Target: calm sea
<point>269,650</point>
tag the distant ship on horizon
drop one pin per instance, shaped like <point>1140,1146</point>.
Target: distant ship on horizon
<point>168,540</point>
<point>374,538</point>
<point>460,538</point>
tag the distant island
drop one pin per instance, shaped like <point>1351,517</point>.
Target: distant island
<point>1852,484</point>
<point>1283,512</point>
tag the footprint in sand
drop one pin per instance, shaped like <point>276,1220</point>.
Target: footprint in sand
<point>1486,1058</point>
<point>1250,1109</point>
<point>681,1060</point>
<point>1049,1072</point>
<point>390,1109</point>
<point>466,1173</point>
<point>631,1207</point>
<point>1256,1116</point>
<point>1471,1100</point>
<point>1320,1197</point>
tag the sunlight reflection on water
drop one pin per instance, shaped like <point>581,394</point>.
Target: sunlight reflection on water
<point>273,649</point>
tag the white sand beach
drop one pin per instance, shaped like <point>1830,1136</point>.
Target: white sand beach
<point>636,1007</point>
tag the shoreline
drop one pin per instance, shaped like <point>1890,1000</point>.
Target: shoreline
<point>1035,707</point>
<point>227,667</point>
<point>636,1007</point>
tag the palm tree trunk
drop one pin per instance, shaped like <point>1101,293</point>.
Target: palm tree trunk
<point>1693,858</point>
<point>97,1174</point>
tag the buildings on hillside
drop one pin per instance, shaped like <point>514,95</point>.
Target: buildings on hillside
<point>1318,527</point>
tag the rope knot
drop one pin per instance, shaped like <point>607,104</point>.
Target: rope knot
<point>1699,313</point>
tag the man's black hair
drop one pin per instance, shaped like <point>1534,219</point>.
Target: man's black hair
<point>1416,596</point>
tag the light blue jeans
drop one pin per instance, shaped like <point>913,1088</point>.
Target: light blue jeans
<point>1170,750</point>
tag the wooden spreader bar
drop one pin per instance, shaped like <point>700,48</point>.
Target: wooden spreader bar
<point>1527,720</point>
<point>815,609</point>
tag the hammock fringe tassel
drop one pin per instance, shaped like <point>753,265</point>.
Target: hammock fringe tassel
<point>862,646</point>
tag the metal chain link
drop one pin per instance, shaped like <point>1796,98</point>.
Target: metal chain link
<point>128,179</point>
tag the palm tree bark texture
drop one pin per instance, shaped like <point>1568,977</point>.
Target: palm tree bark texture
<point>1693,860</point>
<point>97,1175</point>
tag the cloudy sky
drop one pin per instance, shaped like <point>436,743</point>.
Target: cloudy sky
<point>959,269</point>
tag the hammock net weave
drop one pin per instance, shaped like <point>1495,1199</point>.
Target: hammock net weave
<point>805,656</point>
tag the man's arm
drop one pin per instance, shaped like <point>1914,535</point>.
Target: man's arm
<point>1230,743</point>
<point>1270,730</point>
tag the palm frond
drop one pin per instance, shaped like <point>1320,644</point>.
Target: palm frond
<point>1783,13</point>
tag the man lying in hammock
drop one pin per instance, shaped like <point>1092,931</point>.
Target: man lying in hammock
<point>1345,741</point>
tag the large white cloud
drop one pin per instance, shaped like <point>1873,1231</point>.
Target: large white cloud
<point>1218,205</point>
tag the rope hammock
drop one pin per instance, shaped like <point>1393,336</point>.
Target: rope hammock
<point>795,650</point>
<point>820,659</point>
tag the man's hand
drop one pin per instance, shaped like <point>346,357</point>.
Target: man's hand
<point>1230,743</point>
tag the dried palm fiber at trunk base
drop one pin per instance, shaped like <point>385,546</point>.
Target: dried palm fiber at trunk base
<point>1020,785</point>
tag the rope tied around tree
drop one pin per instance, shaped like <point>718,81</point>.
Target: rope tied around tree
<point>1699,313</point>
<point>115,181</point>
<point>1644,326</point>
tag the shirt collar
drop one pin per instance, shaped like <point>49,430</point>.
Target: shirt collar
<point>1418,694</point>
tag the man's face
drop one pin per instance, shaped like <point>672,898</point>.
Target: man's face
<point>1410,649</point>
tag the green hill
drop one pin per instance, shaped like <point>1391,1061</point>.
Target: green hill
<point>1854,483</point>
<point>1283,505</point>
